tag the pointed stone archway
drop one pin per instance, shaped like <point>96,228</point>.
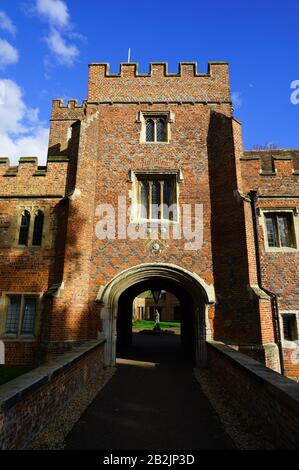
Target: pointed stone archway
<point>201,293</point>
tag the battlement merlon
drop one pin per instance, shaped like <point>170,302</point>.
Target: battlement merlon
<point>27,179</point>
<point>271,162</point>
<point>67,112</point>
<point>159,86</point>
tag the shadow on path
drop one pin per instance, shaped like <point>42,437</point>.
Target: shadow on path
<point>153,401</point>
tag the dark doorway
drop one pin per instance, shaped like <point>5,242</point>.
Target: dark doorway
<point>139,345</point>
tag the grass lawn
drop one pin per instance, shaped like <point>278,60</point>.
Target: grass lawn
<point>8,373</point>
<point>149,324</point>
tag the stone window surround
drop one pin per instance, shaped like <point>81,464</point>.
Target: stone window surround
<point>134,193</point>
<point>287,343</point>
<point>143,116</point>
<point>4,300</point>
<point>15,227</point>
<point>282,249</point>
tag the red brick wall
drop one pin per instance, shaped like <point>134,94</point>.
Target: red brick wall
<point>22,418</point>
<point>26,181</point>
<point>26,269</point>
<point>101,139</point>
<point>20,352</point>
<point>159,85</point>
<point>102,175</point>
<point>275,409</point>
<point>279,270</point>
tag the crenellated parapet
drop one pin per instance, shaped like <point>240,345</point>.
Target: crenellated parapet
<point>28,179</point>
<point>187,85</point>
<point>160,69</point>
<point>273,170</point>
<point>70,111</point>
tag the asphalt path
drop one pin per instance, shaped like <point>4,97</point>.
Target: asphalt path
<point>152,402</point>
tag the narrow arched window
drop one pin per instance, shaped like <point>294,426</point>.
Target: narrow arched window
<point>167,193</point>
<point>156,199</point>
<point>38,229</point>
<point>144,202</point>
<point>29,314</point>
<point>150,131</point>
<point>24,228</point>
<point>161,131</point>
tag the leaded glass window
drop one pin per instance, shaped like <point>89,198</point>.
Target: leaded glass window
<point>280,229</point>
<point>156,199</point>
<point>167,193</point>
<point>29,315</point>
<point>24,228</point>
<point>144,200</point>
<point>161,130</point>
<point>271,230</point>
<point>284,229</point>
<point>21,315</point>
<point>150,131</point>
<point>155,129</point>
<point>157,193</point>
<point>38,229</point>
<point>13,314</point>
<point>289,322</point>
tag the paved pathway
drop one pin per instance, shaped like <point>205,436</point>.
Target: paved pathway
<point>152,402</point>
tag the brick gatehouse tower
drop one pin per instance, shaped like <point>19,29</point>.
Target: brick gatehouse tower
<point>157,139</point>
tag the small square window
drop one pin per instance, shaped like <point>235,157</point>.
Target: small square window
<point>155,127</point>
<point>290,331</point>
<point>280,229</point>
<point>21,315</point>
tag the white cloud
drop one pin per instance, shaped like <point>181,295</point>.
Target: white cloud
<point>54,11</point>
<point>237,99</point>
<point>6,24</point>
<point>21,132</point>
<point>8,54</point>
<point>66,54</point>
<point>60,36</point>
<point>32,115</point>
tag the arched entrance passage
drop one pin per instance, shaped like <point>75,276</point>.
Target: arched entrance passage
<point>125,310</point>
<point>169,277</point>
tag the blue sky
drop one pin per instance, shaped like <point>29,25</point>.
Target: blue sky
<point>46,45</point>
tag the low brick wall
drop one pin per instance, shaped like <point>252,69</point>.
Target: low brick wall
<point>30,402</point>
<point>268,400</point>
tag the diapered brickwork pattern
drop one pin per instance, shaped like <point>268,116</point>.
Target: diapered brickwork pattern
<point>93,147</point>
<point>159,86</point>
